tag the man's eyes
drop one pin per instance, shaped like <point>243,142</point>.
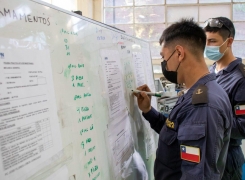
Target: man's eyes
<point>212,41</point>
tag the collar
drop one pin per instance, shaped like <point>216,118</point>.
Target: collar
<point>203,80</point>
<point>230,67</point>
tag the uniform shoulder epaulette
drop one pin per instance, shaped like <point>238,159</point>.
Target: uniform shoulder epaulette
<point>200,95</point>
<point>242,69</point>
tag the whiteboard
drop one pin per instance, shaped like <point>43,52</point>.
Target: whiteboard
<point>66,107</point>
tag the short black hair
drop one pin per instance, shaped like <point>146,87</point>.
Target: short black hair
<point>223,31</point>
<point>186,32</point>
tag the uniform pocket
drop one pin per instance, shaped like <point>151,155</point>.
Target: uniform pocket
<point>168,152</point>
<point>168,136</point>
<point>191,132</point>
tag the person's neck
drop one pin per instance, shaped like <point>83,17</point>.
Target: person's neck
<point>225,61</point>
<point>192,75</point>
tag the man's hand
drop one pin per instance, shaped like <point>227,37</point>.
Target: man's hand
<point>144,101</point>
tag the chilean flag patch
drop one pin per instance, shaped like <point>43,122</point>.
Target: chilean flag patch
<point>240,109</point>
<point>189,153</point>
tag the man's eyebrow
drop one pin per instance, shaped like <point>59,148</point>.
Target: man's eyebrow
<point>211,38</point>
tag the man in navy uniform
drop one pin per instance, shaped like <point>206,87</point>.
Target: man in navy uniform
<point>193,140</point>
<point>230,74</point>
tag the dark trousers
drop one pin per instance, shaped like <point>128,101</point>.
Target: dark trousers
<point>234,163</point>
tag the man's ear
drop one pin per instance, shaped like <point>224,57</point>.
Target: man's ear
<point>180,52</point>
<point>230,41</point>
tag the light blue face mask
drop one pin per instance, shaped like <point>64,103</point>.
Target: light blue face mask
<point>213,53</point>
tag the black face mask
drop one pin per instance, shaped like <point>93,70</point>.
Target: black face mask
<point>169,75</point>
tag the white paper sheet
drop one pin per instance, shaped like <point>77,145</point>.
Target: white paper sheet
<point>120,143</point>
<point>139,69</point>
<point>135,168</point>
<point>113,80</point>
<point>150,144</point>
<point>29,129</point>
<point>149,76</point>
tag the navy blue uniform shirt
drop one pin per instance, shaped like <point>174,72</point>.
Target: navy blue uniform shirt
<point>233,82</point>
<point>232,79</point>
<point>204,126</point>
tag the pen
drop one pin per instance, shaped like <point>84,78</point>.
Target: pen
<point>157,94</point>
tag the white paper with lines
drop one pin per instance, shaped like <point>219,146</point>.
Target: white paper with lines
<point>29,129</point>
<point>113,81</point>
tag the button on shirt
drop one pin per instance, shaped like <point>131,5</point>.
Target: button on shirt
<point>233,81</point>
<point>203,126</point>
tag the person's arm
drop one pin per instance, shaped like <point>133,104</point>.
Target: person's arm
<point>204,137</point>
<point>238,100</point>
<point>155,118</point>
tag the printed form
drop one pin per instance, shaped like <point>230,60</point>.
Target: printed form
<point>120,143</point>
<point>139,69</point>
<point>139,63</point>
<point>149,76</point>
<point>113,80</point>
<point>29,129</point>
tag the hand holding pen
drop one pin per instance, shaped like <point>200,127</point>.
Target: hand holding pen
<point>143,99</point>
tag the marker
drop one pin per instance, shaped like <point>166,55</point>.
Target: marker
<point>157,94</point>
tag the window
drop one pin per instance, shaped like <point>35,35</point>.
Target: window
<point>147,19</point>
<point>65,4</point>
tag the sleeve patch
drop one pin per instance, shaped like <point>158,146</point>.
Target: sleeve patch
<point>190,153</point>
<point>240,109</point>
